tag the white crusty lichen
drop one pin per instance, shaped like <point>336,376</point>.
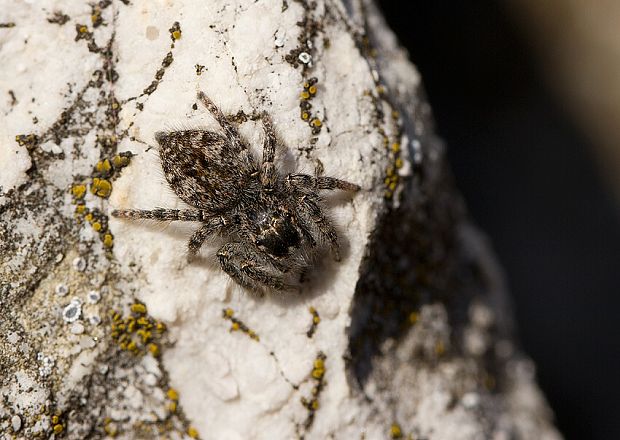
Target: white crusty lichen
<point>107,331</point>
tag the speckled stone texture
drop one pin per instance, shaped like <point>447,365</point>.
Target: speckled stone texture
<point>107,331</point>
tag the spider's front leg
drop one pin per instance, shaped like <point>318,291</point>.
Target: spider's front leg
<point>249,268</point>
<point>314,215</point>
<point>305,182</point>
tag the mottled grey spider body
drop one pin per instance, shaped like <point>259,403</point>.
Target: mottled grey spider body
<point>272,222</point>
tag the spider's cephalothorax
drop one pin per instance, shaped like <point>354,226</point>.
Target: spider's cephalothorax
<point>271,222</point>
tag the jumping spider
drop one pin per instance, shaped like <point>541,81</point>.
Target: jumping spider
<point>272,222</point>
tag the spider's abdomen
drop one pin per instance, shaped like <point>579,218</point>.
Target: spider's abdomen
<point>204,169</point>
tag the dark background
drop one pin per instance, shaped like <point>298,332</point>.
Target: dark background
<point>531,183</point>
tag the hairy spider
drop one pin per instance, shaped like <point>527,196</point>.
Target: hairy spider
<point>271,222</point>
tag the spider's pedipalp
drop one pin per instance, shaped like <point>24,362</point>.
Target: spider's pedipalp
<point>249,268</point>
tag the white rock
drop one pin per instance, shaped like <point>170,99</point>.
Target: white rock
<point>230,385</point>
<point>77,328</point>
<point>16,423</point>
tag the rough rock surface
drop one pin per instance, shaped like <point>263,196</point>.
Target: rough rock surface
<point>106,330</point>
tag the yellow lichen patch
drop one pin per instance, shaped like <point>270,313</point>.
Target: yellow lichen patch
<point>396,431</point>
<point>238,325</point>
<point>318,374</point>
<point>318,367</point>
<point>101,187</point>
<point>175,32</point>
<point>58,428</point>
<point>172,394</point>
<point>309,91</point>
<point>414,317</point>
<point>120,161</point>
<point>144,335</point>
<point>108,240</point>
<point>134,334</point>
<point>192,432</point>
<point>395,147</point>
<point>83,29</point>
<point>103,166</point>
<point>78,191</point>
<point>138,308</point>
<point>172,407</point>
<point>153,349</point>
<point>110,427</point>
<point>28,140</point>
<point>316,319</point>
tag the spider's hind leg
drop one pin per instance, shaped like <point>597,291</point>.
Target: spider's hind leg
<point>160,214</point>
<point>268,174</point>
<point>229,129</point>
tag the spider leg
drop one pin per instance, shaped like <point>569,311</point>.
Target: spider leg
<point>306,182</point>
<point>268,175</point>
<point>198,238</point>
<point>249,269</point>
<point>161,214</point>
<point>229,129</point>
<point>305,230</point>
<point>327,231</point>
